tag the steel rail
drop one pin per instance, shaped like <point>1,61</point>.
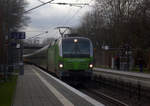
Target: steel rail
<point>108,98</point>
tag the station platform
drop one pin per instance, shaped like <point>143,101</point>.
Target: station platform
<point>133,77</point>
<point>127,73</point>
<point>38,88</point>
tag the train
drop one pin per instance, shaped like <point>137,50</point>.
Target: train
<point>69,58</point>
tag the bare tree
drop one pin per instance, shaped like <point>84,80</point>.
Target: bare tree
<point>13,14</point>
<point>118,22</point>
<point>12,18</point>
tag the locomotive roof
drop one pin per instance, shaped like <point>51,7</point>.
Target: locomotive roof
<point>75,38</point>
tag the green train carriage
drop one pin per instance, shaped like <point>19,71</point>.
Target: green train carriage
<point>70,58</point>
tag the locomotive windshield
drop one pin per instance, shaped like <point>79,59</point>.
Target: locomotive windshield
<point>76,48</point>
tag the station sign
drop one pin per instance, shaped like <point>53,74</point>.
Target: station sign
<point>17,35</point>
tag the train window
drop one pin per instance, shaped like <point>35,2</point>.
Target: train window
<point>78,49</point>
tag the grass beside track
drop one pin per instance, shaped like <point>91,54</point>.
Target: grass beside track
<point>7,89</point>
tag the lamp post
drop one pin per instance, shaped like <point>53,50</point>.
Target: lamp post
<point>1,43</point>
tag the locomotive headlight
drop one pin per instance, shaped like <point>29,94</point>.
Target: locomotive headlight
<point>75,40</point>
<point>61,65</point>
<point>91,65</point>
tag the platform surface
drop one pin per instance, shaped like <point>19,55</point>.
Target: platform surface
<point>133,77</point>
<point>136,74</point>
<point>37,88</point>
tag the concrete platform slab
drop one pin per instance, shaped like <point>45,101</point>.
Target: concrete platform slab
<point>37,88</point>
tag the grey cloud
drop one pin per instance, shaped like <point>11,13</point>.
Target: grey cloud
<point>48,17</point>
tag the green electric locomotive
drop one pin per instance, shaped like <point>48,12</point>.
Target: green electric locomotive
<point>70,58</point>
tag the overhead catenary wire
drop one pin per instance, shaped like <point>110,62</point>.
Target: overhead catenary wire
<point>73,16</point>
<point>64,19</point>
<point>68,20</point>
<point>37,35</point>
<point>41,1</point>
<point>70,4</point>
<point>63,3</point>
<point>34,31</point>
<point>38,6</point>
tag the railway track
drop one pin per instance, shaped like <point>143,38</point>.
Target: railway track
<point>108,98</point>
<point>105,99</point>
<point>134,87</point>
<point>95,91</point>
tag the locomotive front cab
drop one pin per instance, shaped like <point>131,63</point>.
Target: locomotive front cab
<point>76,58</point>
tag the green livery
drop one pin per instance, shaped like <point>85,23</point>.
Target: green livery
<point>69,58</point>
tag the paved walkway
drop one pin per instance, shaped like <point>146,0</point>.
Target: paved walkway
<point>35,88</point>
<point>31,91</point>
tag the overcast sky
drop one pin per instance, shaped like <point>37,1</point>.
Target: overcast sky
<point>49,16</point>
